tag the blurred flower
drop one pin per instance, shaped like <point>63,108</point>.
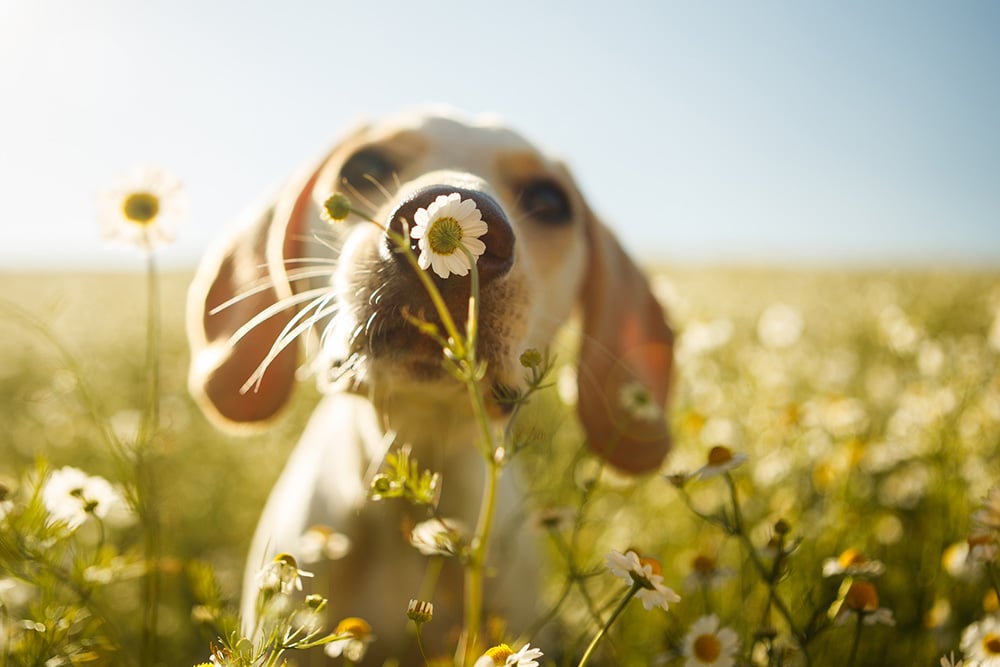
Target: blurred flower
<point>71,495</point>
<point>6,504</point>
<point>779,326</point>
<point>355,636</point>
<point>938,615</point>
<point>981,641</point>
<point>319,542</point>
<point>983,548</point>
<point>637,401</point>
<point>720,459</point>
<point>503,655</point>
<point>708,645</point>
<point>679,479</point>
<point>706,573</point>
<point>988,515</point>
<point>143,208</point>
<point>644,572</point>
<point>955,561</point>
<point>281,574</point>
<point>437,537</point>
<point>861,598</point>
<point>700,338</point>
<point>556,519</point>
<point>853,563</point>
<point>897,330</point>
<point>949,661</point>
<point>449,222</point>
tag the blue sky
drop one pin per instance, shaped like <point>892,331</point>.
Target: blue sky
<point>741,132</point>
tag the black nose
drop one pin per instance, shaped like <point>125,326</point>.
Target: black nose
<point>499,237</point>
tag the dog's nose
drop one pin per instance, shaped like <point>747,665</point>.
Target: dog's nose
<point>499,237</point>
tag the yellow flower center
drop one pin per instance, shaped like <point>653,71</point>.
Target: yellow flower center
<point>444,236</point>
<point>707,648</point>
<point>719,455</point>
<point>141,207</point>
<point>851,557</point>
<point>991,642</point>
<point>500,653</point>
<point>703,565</point>
<point>861,597</point>
<point>354,626</point>
<point>654,565</point>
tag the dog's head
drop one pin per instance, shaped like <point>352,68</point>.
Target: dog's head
<point>287,272</point>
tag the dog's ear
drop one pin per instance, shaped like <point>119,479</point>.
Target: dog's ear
<point>626,359</point>
<point>236,283</point>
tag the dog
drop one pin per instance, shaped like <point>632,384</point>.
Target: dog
<point>288,274</point>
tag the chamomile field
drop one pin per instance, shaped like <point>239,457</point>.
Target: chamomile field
<point>827,502</point>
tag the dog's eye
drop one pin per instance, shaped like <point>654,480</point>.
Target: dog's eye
<point>366,170</point>
<point>547,202</point>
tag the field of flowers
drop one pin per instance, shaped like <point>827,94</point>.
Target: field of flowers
<point>827,503</point>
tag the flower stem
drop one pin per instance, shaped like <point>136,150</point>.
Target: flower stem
<point>604,629</point>
<point>857,641</point>
<point>145,477</point>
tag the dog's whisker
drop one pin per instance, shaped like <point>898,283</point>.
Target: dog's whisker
<point>378,186</point>
<point>268,283</point>
<point>365,201</point>
<point>273,310</point>
<point>302,322</point>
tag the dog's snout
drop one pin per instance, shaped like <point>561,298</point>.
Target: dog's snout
<point>498,257</point>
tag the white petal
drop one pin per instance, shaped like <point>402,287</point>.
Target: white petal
<point>475,246</point>
<point>466,207</point>
<point>458,264</point>
<point>474,228</point>
<point>421,217</point>
<point>439,266</point>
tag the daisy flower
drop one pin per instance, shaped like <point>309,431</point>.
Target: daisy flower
<point>354,637</point>
<point>449,222</point>
<point>720,459</point>
<point>861,598</point>
<point>281,574</point>
<point>143,208</point>
<point>981,641</point>
<point>852,563</point>
<point>638,402</point>
<point>71,496</point>
<point>437,537</point>
<point>645,573</point>
<point>708,645</point>
<point>504,656</point>
<point>949,661</point>
<point>420,611</point>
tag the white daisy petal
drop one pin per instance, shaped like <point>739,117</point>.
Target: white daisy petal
<point>475,246</point>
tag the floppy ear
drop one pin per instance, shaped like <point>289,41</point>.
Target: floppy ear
<point>626,359</point>
<point>251,266</point>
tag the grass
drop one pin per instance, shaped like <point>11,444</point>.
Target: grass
<point>876,428</point>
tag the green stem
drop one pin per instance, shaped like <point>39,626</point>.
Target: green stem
<point>857,641</point>
<point>604,629</point>
<point>774,598</point>
<point>420,645</point>
<point>145,477</point>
